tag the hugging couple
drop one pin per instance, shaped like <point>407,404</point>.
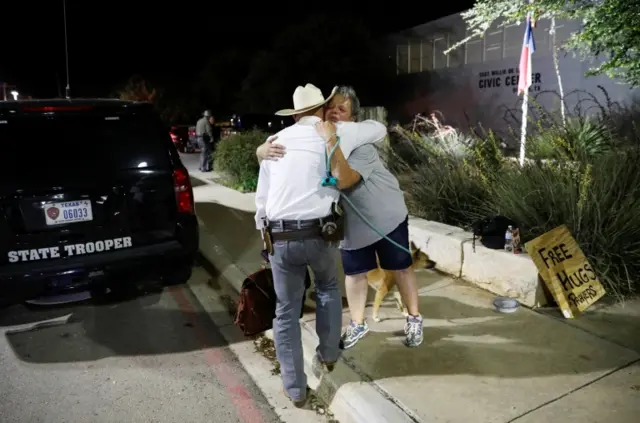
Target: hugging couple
<point>293,207</point>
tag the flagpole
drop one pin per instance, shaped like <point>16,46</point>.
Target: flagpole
<point>523,129</point>
<point>525,93</point>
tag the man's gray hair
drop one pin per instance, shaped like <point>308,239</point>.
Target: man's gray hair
<point>348,92</point>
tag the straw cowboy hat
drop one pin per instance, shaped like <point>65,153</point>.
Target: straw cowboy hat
<point>306,98</point>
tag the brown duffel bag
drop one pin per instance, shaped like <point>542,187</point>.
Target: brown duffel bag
<point>257,302</point>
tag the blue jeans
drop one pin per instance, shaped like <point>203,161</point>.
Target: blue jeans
<point>205,154</point>
<point>289,266</point>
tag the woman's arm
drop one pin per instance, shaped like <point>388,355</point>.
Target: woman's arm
<point>340,169</point>
<point>269,150</point>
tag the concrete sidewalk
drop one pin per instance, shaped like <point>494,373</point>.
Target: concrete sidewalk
<point>475,365</point>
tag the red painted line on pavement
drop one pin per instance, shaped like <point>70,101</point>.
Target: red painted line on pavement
<point>215,357</point>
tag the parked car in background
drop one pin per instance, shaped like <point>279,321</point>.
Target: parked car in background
<point>120,213</point>
<point>181,139</point>
<point>192,137</point>
<point>267,123</point>
<point>225,128</point>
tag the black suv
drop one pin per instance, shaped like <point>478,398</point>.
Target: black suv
<point>91,191</point>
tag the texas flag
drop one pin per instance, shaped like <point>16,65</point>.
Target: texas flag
<point>528,47</point>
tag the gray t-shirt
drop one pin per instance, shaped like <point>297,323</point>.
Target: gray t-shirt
<point>377,196</point>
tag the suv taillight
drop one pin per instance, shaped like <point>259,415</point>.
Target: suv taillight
<point>184,192</point>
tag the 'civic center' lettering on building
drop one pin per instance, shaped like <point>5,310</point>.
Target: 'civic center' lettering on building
<point>47,253</point>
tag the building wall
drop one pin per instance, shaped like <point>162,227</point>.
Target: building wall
<point>477,83</point>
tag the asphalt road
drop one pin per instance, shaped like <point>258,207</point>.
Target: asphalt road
<point>150,357</point>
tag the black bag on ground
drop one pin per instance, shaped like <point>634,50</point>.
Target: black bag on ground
<point>491,231</point>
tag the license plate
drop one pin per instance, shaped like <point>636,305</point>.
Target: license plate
<point>68,212</point>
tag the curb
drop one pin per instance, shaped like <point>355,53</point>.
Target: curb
<point>350,398</point>
<point>496,271</point>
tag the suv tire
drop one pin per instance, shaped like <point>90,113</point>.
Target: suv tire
<point>178,276</point>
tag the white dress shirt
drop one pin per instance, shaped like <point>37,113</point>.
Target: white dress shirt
<point>290,189</point>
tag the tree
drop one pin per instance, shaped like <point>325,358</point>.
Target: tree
<point>171,102</point>
<point>325,50</point>
<point>218,85</point>
<point>609,29</point>
<point>177,105</point>
<point>138,89</point>
<point>612,28</point>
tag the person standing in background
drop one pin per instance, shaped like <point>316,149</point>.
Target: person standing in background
<point>204,138</point>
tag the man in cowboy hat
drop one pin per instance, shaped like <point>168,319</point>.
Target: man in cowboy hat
<point>296,213</point>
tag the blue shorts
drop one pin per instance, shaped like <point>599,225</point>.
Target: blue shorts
<point>391,257</point>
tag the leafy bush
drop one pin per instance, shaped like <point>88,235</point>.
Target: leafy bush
<point>579,138</point>
<point>438,138</point>
<point>431,169</point>
<point>624,120</point>
<point>235,156</point>
<point>594,125</point>
<point>591,187</point>
<point>597,200</point>
<point>442,190</point>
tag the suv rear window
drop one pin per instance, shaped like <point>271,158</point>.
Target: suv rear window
<point>82,143</point>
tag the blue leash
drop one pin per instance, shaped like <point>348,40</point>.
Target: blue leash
<point>330,181</point>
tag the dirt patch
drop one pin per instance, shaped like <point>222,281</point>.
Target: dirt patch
<point>267,349</point>
<point>230,304</point>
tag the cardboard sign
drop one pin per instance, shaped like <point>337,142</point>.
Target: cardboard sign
<point>565,270</point>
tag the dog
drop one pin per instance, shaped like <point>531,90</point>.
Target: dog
<point>382,280</point>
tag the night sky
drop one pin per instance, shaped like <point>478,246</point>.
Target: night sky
<point>110,41</point>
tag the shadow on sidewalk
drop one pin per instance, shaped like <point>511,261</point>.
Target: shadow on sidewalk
<point>474,356</point>
<point>483,351</point>
<point>234,229</point>
<point>196,182</point>
<point>463,335</point>
<point>152,323</point>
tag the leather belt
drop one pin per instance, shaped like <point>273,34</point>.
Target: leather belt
<point>290,230</point>
<point>296,235</point>
<point>294,225</point>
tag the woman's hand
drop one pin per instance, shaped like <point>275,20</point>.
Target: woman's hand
<point>327,130</point>
<point>270,151</point>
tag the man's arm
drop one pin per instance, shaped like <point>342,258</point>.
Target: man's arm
<point>261,194</point>
<point>199,131</point>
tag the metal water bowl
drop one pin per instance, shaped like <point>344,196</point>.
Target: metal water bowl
<point>506,304</point>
